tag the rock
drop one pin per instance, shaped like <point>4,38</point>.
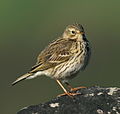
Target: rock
<point>93,100</point>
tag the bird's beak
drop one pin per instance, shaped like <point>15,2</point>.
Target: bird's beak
<point>82,33</point>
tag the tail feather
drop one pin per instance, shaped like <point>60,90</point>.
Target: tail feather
<point>23,77</point>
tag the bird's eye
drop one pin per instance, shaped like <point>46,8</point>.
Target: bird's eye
<point>73,32</point>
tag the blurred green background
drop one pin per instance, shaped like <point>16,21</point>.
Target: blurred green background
<point>27,26</point>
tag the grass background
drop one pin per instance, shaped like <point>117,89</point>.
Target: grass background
<point>27,26</point>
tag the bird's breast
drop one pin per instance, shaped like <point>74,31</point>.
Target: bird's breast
<point>70,67</point>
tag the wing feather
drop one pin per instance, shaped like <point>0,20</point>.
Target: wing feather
<point>56,53</point>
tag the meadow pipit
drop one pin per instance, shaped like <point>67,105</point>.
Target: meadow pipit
<point>62,58</point>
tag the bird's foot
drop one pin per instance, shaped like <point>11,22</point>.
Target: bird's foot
<point>77,88</point>
<point>70,94</point>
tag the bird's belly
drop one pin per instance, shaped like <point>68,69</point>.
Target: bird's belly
<point>66,70</point>
<point>71,70</point>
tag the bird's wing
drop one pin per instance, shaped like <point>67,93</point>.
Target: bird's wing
<point>56,53</point>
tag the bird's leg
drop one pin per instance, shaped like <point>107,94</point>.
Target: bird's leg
<point>61,86</point>
<point>69,86</point>
<point>66,92</point>
<point>73,89</point>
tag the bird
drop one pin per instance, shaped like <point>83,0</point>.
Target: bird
<point>63,58</point>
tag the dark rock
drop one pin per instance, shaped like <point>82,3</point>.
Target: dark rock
<point>94,100</point>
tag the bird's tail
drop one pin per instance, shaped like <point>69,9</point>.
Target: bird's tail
<point>23,77</point>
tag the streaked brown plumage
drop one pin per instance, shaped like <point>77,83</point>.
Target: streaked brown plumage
<point>62,58</point>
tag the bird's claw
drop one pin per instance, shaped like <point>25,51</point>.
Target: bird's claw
<point>77,88</point>
<point>69,94</point>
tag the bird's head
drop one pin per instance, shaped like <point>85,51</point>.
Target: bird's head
<point>74,32</point>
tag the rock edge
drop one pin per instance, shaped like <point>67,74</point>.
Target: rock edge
<point>93,100</point>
